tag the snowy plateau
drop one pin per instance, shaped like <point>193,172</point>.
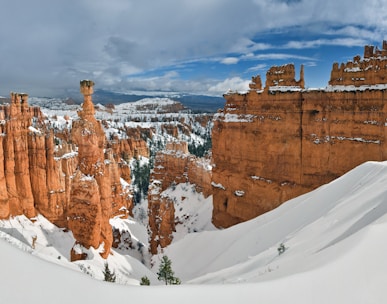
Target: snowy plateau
<point>326,246</point>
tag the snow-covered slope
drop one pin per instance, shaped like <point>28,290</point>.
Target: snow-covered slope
<point>333,218</point>
<point>335,252</point>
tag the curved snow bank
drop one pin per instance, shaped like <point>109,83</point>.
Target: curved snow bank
<point>332,218</point>
<point>335,252</point>
<point>345,280</point>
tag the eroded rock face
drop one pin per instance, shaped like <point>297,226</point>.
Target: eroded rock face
<point>280,76</point>
<point>96,192</point>
<point>85,212</point>
<point>274,144</point>
<point>80,190</point>
<point>372,70</point>
<point>31,175</point>
<point>174,165</point>
<point>16,197</point>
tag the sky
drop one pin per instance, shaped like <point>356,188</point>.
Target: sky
<point>191,46</point>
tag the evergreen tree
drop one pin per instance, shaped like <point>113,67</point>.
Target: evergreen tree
<point>166,273</point>
<point>108,275</point>
<point>140,174</point>
<point>145,281</point>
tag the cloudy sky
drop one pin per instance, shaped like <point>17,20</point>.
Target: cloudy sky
<point>196,46</point>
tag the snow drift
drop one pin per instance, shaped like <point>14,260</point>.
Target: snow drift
<point>335,252</point>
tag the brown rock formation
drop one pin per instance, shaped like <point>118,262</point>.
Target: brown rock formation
<point>371,70</point>
<point>18,198</point>
<point>79,190</point>
<point>133,146</point>
<point>281,76</point>
<point>270,146</point>
<point>49,180</point>
<point>96,190</point>
<point>174,165</point>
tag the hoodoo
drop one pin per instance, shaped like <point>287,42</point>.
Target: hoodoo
<point>274,144</point>
<point>96,186</point>
<point>74,185</point>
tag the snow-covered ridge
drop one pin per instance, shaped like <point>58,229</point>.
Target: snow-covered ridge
<point>285,88</point>
<point>350,88</point>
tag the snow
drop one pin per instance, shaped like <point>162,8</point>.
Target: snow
<point>328,138</point>
<point>235,117</point>
<point>193,212</point>
<point>254,177</point>
<point>34,130</point>
<point>218,185</point>
<point>285,88</point>
<point>239,192</point>
<point>353,69</point>
<point>335,252</point>
<point>350,88</point>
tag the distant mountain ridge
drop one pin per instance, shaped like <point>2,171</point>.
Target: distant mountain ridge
<point>197,103</point>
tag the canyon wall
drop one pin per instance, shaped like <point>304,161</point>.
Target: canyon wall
<point>75,185</point>
<point>172,166</point>
<point>274,144</point>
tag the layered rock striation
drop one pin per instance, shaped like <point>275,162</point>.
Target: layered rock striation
<point>274,144</point>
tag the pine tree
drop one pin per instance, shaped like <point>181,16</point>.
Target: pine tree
<point>166,273</point>
<point>145,281</point>
<point>108,275</point>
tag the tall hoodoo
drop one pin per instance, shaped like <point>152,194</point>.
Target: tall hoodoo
<point>80,191</point>
<point>92,197</point>
<point>274,144</point>
<point>15,152</point>
<point>87,90</point>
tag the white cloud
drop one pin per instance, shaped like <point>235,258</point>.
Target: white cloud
<point>53,45</point>
<point>279,56</point>
<point>320,42</point>
<point>258,67</point>
<point>234,83</point>
<point>229,60</point>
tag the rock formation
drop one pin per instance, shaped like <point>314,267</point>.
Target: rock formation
<point>173,165</point>
<point>16,192</point>
<point>74,185</point>
<point>282,76</point>
<point>372,70</point>
<point>96,189</point>
<point>274,144</point>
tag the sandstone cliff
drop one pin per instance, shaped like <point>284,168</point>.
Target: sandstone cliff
<point>173,165</point>
<point>274,144</point>
<point>74,185</point>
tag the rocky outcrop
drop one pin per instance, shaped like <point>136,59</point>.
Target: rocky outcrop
<point>16,197</point>
<point>173,165</point>
<point>96,191</point>
<point>280,76</point>
<point>75,185</point>
<point>274,144</point>
<point>372,70</point>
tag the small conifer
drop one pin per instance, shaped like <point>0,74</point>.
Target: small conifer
<point>108,275</point>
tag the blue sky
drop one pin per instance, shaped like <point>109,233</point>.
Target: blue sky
<point>192,46</point>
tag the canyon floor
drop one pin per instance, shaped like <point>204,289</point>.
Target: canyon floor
<point>332,240</point>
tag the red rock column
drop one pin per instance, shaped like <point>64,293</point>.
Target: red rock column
<point>90,204</point>
<point>4,202</point>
